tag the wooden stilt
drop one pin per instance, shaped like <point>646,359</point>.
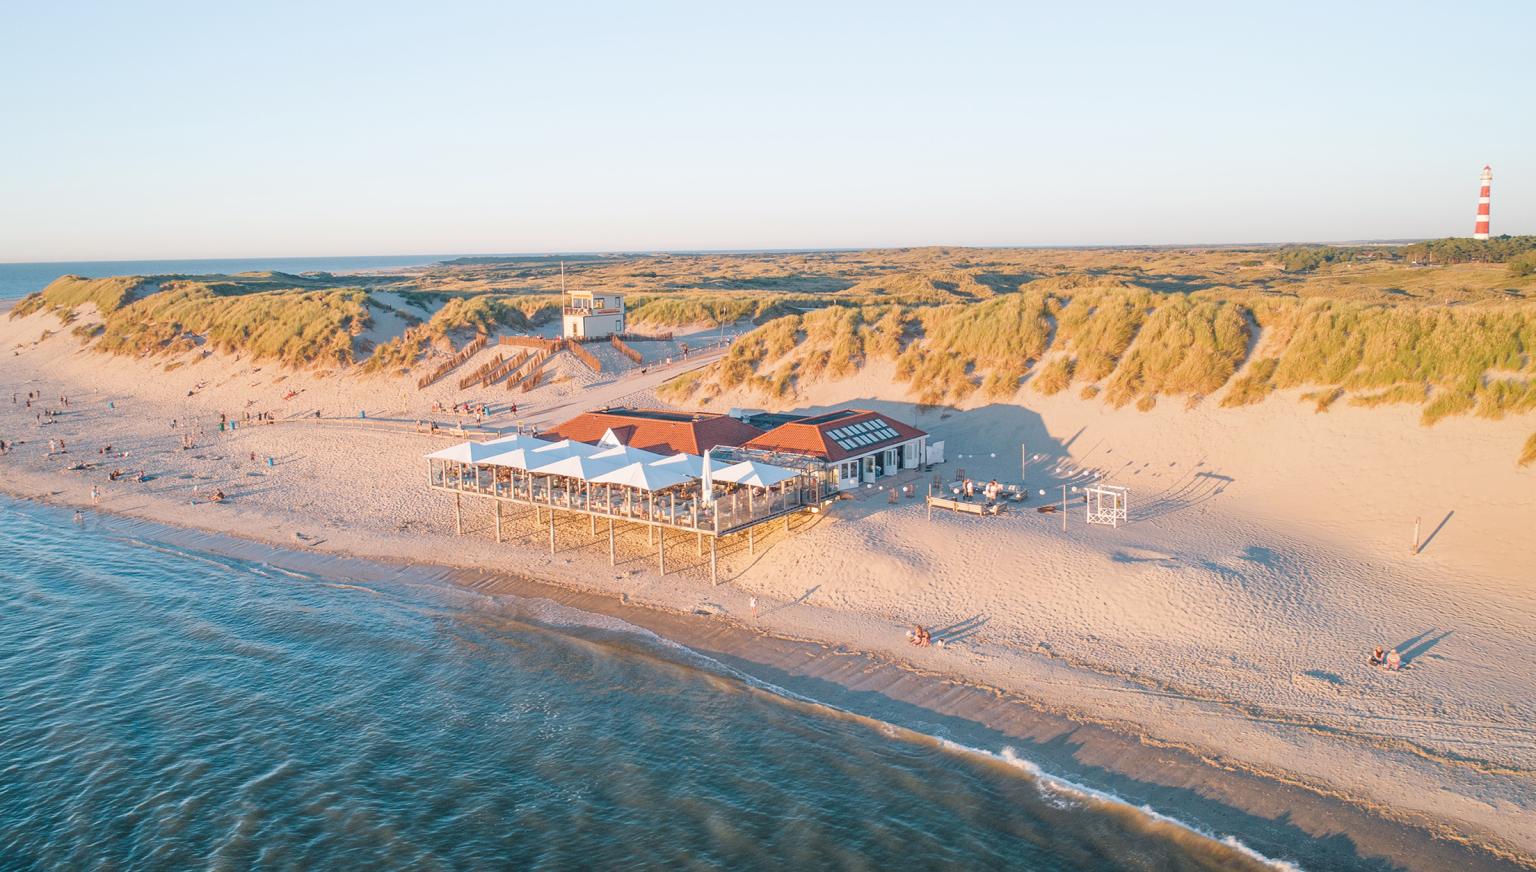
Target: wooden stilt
<point>713,576</point>
<point>751,540</point>
<point>458,515</point>
<point>498,520</point>
<point>700,543</point>
<point>612,558</point>
<point>661,551</point>
<point>551,531</point>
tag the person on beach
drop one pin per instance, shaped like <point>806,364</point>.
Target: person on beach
<point>752,601</point>
<point>1378,656</point>
<point>95,495</point>
<point>969,489</point>
<point>919,636</point>
<point>1394,660</point>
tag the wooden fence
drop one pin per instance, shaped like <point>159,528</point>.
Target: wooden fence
<point>535,365</point>
<point>479,374</point>
<point>584,356</point>
<point>532,342</point>
<point>507,366</point>
<point>625,350</point>
<point>454,362</point>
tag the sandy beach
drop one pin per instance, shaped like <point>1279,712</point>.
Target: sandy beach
<point>1209,655</point>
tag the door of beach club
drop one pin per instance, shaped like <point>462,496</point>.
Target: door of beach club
<point>846,474</point>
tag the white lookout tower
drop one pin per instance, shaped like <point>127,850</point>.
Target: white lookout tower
<point>589,315</point>
<point>585,315</point>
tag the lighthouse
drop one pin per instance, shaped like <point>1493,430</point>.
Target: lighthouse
<point>1480,230</point>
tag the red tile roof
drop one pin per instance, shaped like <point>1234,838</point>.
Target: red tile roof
<point>811,436</point>
<point>660,430</point>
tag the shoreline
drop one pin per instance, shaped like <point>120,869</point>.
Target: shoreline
<point>1279,819</point>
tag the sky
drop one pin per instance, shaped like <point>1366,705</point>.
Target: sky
<point>160,130</point>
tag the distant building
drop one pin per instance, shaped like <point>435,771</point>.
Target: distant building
<point>589,315</point>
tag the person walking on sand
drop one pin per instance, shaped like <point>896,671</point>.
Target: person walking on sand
<point>752,601</point>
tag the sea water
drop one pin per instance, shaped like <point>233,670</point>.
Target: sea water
<point>167,708</point>
<point>19,279</point>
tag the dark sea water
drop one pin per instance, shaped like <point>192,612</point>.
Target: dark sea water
<point>163,709</point>
<point>19,279</point>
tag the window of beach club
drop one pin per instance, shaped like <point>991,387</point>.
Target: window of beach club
<point>680,504</point>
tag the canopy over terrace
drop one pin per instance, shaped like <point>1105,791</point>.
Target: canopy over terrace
<point>755,474</point>
<point>622,484</point>
<point>646,477</point>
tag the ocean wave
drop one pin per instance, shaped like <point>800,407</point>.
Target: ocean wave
<point>1055,790</point>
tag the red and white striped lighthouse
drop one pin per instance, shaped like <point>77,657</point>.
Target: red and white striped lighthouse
<point>1480,230</point>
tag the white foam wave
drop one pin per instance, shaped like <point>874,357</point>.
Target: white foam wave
<point>1047,782</point>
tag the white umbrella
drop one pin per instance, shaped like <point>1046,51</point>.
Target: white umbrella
<point>692,464</point>
<point>626,454</point>
<point>567,447</point>
<point>573,466</point>
<point>647,477</point>
<point>515,458</point>
<point>466,452</point>
<point>755,474</point>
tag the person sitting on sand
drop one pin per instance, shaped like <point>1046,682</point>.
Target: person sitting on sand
<point>1394,660</point>
<point>919,636</point>
<point>1378,656</point>
<point>218,496</point>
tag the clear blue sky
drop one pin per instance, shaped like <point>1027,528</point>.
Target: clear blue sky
<point>250,129</point>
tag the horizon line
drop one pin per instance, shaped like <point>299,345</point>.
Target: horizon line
<point>643,252</point>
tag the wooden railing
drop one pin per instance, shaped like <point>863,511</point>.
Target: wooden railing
<point>454,362</point>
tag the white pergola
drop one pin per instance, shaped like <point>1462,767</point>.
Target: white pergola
<point>613,480</point>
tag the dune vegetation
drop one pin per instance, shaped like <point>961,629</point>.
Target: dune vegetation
<point>67,293</point>
<point>295,328</point>
<point>1444,326</point>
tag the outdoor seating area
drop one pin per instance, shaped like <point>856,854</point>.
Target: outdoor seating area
<point>622,484</point>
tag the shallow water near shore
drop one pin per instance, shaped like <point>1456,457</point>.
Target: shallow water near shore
<point>167,707</point>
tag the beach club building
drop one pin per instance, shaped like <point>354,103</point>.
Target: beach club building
<point>843,448</point>
<point>705,475</point>
<point>850,446</point>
